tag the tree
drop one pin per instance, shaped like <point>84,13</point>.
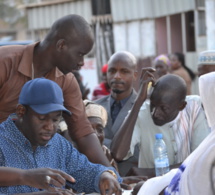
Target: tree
<point>10,11</point>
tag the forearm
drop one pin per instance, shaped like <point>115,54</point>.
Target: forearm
<point>135,171</point>
<point>162,192</point>
<point>107,142</point>
<point>11,176</point>
<point>90,146</point>
<point>175,166</point>
<point>149,172</point>
<point>124,134</point>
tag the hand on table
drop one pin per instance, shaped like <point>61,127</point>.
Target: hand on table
<point>147,172</point>
<point>109,185</point>
<point>137,187</point>
<point>132,180</point>
<point>41,178</point>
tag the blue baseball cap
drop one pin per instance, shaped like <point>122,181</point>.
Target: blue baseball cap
<point>43,96</point>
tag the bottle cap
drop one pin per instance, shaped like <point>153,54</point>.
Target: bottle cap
<point>158,136</point>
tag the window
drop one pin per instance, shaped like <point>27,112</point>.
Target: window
<point>202,25</point>
<point>190,31</point>
<point>100,7</point>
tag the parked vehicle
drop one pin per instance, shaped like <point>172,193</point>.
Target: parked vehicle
<point>24,42</point>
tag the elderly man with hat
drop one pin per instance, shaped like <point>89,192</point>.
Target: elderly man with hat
<point>98,116</point>
<point>206,62</point>
<point>31,141</point>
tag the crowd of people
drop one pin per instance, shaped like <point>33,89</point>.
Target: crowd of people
<point>55,141</point>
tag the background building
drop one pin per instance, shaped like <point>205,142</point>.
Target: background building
<point>146,28</point>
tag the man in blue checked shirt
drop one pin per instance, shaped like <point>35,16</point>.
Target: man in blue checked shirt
<point>31,141</point>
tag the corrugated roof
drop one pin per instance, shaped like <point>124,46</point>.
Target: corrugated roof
<point>168,7</point>
<point>42,16</point>
<point>45,3</point>
<point>127,10</point>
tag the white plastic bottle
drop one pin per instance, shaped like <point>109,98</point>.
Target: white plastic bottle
<point>160,156</point>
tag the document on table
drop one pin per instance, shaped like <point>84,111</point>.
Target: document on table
<point>125,192</point>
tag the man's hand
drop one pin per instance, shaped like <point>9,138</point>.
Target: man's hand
<point>38,178</point>
<point>147,172</point>
<point>137,188</point>
<point>145,78</point>
<point>132,180</point>
<point>109,185</point>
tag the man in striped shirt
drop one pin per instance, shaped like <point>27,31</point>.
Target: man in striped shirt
<point>180,118</point>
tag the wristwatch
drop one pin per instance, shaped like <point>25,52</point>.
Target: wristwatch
<point>112,173</point>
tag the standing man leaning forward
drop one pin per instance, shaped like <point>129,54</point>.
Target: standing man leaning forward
<point>61,52</point>
<point>122,72</point>
<point>180,118</point>
<point>31,141</point>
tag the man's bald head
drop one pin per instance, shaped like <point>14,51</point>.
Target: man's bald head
<point>123,56</point>
<point>171,85</point>
<point>70,27</point>
<point>167,99</point>
<point>68,41</point>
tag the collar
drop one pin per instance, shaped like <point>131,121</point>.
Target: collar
<point>122,102</point>
<point>11,119</point>
<point>171,123</point>
<point>25,65</point>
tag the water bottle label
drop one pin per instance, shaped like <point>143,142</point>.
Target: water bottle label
<point>161,163</point>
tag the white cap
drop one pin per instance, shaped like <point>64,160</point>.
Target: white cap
<point>207,57</point>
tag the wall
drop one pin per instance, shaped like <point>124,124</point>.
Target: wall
<point>89,75</point>
<point>210,23</point>
<point>137,37</point>
<point>176,33</point>
<point>161,35</point>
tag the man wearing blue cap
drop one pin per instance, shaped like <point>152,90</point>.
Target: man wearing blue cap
<point>61,52</point>
<point>31,141</point>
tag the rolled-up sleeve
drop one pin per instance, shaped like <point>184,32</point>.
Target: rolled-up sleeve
<point>86,174</point>
<point>78,124</point>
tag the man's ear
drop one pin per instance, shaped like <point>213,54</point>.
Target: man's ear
<point>20,110</point>
<point>135,75</point>
<point>61,43</point>
<point>182,106</point>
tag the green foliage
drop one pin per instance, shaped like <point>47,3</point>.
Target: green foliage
<point>9,11</point>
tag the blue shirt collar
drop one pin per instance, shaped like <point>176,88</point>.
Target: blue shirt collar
<point>11,119</point>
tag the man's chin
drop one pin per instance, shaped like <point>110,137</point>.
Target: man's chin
<point>117,91</point>
<point>65,72</point>
<point>43,143</point>
<point>158,122</point>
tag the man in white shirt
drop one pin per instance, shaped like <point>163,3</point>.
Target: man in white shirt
<point>180,119</point>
